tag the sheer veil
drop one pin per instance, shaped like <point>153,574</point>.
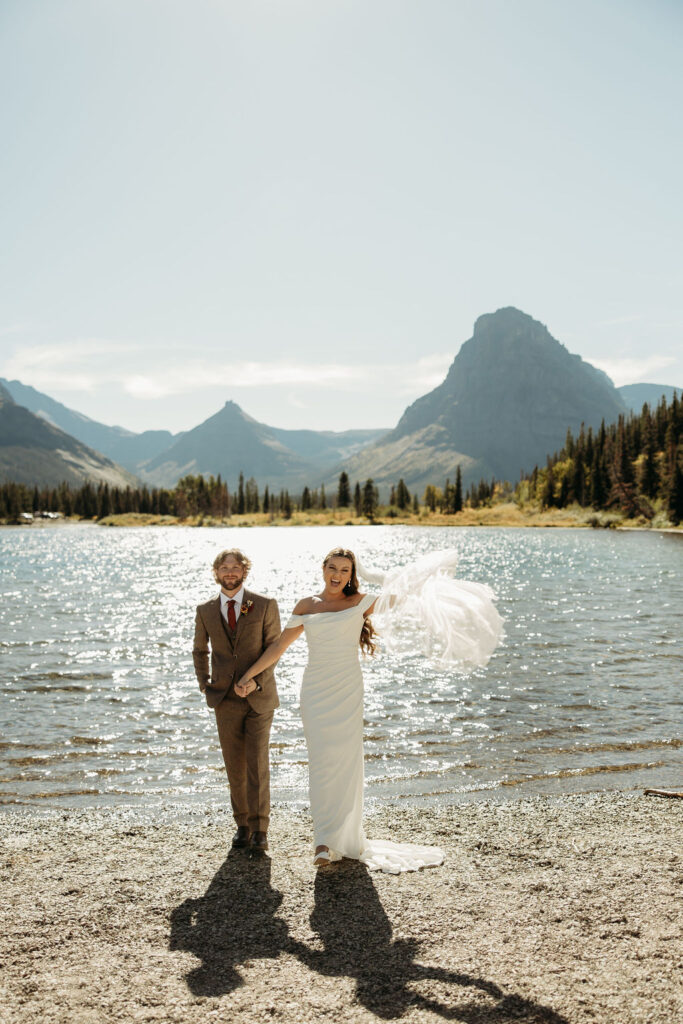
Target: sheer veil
<point>456,620</point>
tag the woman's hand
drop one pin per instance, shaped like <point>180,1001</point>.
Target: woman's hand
<point>245,686</point>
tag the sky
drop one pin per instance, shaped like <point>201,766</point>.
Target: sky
<point>303,206</point>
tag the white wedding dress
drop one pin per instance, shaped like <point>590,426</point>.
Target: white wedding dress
<point>460,615</point>
<point>332,713</point>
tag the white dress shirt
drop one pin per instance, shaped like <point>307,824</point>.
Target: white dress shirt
<point>238,598</point>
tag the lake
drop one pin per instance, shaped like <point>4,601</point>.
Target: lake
<point>100,707</point>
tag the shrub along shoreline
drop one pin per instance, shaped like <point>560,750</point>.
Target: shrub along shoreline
<point>503,514</point>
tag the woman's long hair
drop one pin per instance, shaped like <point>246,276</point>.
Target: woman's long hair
<point>367,645</point>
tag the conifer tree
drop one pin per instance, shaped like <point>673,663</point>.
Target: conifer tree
<point>430,497</point>
<point>622,492</point>
<point>251,498</point>
<point>402,499</point>
<point>648,470</point>
<point>447,499</point>
<point>457,494</point>
<point>104,502</point>
<point>343,490</point>
<point>548,493</point>
<point>369,499</point>
<point>675,503</point>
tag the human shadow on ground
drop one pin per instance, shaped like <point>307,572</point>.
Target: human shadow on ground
<point>233,922</point>
<point>357,939</point>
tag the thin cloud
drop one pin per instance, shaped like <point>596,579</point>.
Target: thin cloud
<point>79,365</point>
<point>407,378</point>
<point>181,379</point>
<point>94,365</point>
<point>632,371</point>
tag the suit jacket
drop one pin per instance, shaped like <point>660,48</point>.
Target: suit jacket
<point>258,626</point>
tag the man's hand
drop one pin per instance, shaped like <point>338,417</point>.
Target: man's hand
<point>244,687</point>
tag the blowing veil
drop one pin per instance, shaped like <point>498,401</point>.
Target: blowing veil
<point>456,620</point>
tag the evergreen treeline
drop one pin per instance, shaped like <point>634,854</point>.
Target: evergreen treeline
<point>634,466</point>
<point>192,496</point>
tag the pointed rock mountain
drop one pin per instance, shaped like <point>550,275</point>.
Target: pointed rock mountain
<point>33,451</point>
<point>507,401</point>
<point>226,443</point>
<point>231,442</point>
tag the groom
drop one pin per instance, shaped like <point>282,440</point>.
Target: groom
<point>237,626</point>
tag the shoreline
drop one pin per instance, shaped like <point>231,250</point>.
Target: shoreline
<point>505,514</point>
<point>548,909</point>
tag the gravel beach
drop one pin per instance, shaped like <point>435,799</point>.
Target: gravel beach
<point>562,909</point>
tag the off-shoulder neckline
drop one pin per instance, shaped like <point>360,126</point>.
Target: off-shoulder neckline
<point>309,615</point>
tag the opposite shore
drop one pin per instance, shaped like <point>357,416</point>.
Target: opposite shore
<point>502,514</point>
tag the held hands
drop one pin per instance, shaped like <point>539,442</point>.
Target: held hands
<point>245,686</point>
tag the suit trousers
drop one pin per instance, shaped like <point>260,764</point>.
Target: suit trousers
<point>245,739</point>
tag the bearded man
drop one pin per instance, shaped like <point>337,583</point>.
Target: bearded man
<point>236,626</point>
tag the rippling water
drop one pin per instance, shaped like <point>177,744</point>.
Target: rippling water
<point>100,706</point>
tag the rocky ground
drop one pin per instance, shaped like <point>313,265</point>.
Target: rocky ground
<point>548,909</point>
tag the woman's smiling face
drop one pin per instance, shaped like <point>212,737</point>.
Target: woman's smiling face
<point>336,574</point>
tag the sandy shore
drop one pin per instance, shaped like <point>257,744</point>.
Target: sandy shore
<point>549,909</point>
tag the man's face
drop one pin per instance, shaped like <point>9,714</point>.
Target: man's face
<point>230,575</point>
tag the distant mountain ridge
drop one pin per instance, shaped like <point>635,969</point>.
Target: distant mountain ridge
<point>506,403</point>
<point>231,441</point>
<point>33,451</point>
<point>123,446</point>
<point>228,442</point>
<point>636,395</point>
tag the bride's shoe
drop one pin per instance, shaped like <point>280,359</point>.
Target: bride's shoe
<point>322,858</point>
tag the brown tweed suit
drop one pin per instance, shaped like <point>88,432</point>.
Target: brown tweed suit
<point>243,723</point>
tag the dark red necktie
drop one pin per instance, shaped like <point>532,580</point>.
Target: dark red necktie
<point>232,621</point>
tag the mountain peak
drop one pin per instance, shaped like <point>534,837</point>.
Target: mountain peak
<point>507,323</point>
<point>507,401</point>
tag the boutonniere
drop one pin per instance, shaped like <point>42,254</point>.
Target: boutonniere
<point>246,607</point>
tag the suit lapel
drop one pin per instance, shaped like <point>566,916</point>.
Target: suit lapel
<point>248,596</point>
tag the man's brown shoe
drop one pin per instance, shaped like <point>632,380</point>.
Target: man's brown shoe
<point>241,838</point>
<point>258,842</point>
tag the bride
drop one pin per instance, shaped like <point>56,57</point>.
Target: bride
<point>337,626</point>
